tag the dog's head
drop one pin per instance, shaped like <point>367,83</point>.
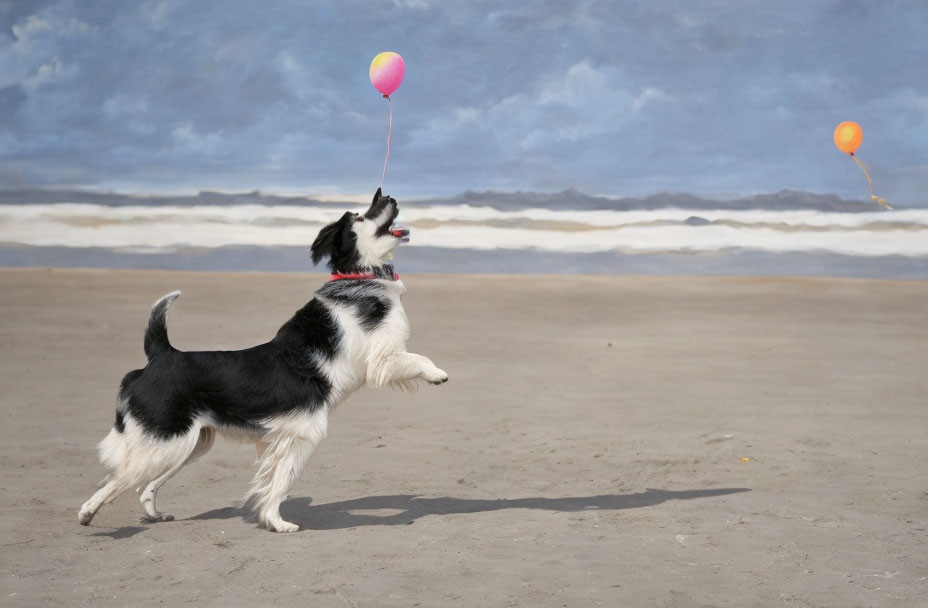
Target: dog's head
<point>360,240</point>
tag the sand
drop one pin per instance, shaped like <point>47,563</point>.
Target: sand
<point>602,441</point>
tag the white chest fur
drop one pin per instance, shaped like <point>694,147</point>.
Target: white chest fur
<point>360,352</point>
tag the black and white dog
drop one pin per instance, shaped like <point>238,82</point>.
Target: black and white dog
<point>277,395</point>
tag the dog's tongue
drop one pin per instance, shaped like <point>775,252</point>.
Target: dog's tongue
<point>398,230</point>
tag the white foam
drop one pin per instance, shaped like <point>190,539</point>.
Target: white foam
<point>157,228</point>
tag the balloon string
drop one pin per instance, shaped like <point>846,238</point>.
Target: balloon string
<point>870,182</point>
<point>389,133</point>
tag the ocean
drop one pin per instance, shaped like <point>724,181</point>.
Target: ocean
<point>455,238</point>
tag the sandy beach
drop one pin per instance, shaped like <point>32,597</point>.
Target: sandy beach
<point>637,441</point>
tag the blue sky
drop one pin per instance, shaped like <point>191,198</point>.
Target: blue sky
<point>621,98</point>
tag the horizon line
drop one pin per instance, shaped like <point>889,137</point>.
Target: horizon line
<point>355,197</point>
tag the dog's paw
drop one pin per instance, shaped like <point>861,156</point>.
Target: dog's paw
<point>84,517</point>
<point>281,526</point>
<point>436,376</point>
<point>148,519</point>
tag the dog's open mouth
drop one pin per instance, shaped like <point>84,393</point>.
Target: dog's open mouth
<point>399,232</point>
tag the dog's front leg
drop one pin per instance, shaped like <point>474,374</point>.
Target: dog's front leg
<point>402,367</point>
<point>283,454</point>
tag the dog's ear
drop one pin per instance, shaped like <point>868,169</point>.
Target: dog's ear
<point>377,196</point>
<point>331,238</point>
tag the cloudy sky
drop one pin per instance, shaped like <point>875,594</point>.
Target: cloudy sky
<point>622,98</point>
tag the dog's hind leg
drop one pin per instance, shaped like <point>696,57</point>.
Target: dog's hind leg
<point>289,447</point>
<point>110,490</point>
<point>136,458</point>
<point>114,454</point>
<point>147,496</point>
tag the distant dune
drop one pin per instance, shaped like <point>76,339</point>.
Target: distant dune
<point>575,200</point>
<point>565,200</point>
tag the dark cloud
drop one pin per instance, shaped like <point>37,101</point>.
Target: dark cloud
<point>613,97</point>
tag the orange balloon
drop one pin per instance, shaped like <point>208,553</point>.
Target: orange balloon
<point>848,137</point>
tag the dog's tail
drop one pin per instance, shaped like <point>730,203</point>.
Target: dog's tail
<point>156,334</point>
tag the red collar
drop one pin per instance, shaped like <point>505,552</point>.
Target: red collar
<point>385,272</point>
<point>361,275</point>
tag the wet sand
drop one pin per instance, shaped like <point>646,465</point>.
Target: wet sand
<point>612,441</point>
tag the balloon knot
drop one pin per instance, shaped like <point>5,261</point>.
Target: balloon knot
<point>386,97</point>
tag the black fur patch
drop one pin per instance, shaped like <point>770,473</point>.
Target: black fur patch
<point>123,396</point>
<point>156,335</point>
<point>236,388</point>
<point>338,242</point>
<point>368,299</point>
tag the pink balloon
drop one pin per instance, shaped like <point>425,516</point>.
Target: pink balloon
<point>387,71</point>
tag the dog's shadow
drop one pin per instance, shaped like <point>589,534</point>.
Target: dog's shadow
<point>407,508</point>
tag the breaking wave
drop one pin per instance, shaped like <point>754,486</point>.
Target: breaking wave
<point>161,228</point>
